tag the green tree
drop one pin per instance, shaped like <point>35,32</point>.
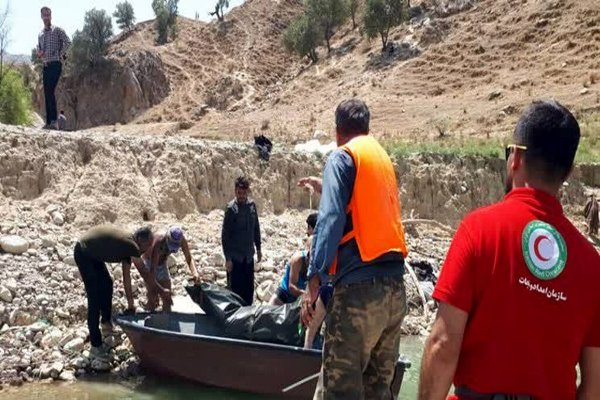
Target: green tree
<point>166,12</point>
<point>220,7</point>
<point>124,15</point>
<point>90,45</point>
<point>15,99</point>
<point>302,37</point>
<point>328,14</point>
<point>381,16</point>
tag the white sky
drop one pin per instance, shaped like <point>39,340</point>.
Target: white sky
<point>25,22</point>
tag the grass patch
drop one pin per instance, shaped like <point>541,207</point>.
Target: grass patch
<point>459,147</point>
<point>589,145</point>
<point>588,152</point>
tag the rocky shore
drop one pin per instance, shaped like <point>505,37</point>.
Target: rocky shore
<point>43,334</point>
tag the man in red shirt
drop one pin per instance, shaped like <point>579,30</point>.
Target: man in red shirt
<point>518,293</point>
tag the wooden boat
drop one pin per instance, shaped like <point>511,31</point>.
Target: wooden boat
<point>194,347</point>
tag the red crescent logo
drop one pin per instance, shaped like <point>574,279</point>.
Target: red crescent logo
<point>536,247</point>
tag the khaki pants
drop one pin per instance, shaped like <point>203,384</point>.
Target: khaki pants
<point>362,340</point>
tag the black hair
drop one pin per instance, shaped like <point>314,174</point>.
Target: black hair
<point>352,117</point>
<point>311,220</point>
<point>45,8</point>
<point>242,182</point>
<point>143,234</point>
<point>551,134</point>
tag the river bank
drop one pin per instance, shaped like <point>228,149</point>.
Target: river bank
<point>43,334</point>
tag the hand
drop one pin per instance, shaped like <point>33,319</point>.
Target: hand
<point>306,310</point>
<point>229,265</point>
<point>196,277</point>
<point>40,54</point>
<point>311,182</point>
<point>258,257</point>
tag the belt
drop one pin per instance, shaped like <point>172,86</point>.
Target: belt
<point>465,393</point>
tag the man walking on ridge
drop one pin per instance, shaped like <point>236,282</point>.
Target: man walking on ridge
<point>239,237</point>
<point>53,44</point>
<point>518,293</point>
<point>359,242</point>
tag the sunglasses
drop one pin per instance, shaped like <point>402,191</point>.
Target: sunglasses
<point>509,149</point>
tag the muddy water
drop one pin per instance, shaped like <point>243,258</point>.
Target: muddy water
<point>152,389</point>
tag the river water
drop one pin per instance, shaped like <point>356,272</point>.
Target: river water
<point>152,389</point>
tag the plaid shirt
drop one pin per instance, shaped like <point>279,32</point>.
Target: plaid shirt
<point>54,42</point>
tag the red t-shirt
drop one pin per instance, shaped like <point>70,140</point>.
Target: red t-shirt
<point>530,283</point>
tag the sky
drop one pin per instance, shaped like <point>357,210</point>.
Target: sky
<point>25,22</point>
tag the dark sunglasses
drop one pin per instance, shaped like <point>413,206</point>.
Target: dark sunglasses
<point>509,149</point>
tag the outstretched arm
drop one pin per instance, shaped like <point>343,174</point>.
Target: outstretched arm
<point>188,258</point>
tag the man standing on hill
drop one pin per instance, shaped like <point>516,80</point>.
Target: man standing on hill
<point>239,237</point>
<point>53,44</point>
<point>518,293</point>
<point>359,242</point>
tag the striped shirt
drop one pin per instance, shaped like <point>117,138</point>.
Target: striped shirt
<point>54,42</point>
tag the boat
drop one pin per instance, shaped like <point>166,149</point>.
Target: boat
<point>193,347</point>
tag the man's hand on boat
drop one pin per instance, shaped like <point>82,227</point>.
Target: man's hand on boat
<point>308,300</point>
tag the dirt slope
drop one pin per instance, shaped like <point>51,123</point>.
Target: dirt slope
<point>464,68</point>
<point>227,66</point>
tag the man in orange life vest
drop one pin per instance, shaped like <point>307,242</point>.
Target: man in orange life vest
<point>518,293</point>
<point>359,227</point>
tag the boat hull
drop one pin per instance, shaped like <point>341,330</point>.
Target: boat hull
<point>262,368</point>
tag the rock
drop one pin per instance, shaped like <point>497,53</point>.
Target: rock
<point>48,242</point>
<point>584,91</point>
<point>216,259</point>
<point>11,284</point>
<point>69,260</point>
<point>56,368</point>
<point>58,218</point>
<point>66,338</point>
<point>80,363</point>
<point>20,318</point>
<point>14,244</point>
<point>52,338</point>
<point>100,366</point>
<point>265,290</point>
<point>75,345</point>
<point>45,371</point>
<point>67,376</point>
<point>5,294</point>
<point>38,327</point>
<point>494,95</point>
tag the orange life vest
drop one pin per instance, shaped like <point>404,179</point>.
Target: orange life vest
<point>374,205</point>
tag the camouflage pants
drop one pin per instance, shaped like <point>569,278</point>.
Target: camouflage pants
<point>362,340</point>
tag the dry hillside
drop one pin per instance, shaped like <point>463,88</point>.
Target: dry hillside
<point>461,67</point>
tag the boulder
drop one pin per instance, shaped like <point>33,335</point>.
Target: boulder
<point>75,345</point>
<point>11,284</point>
<point>69,260</point>
<point>14,244</point>
<point>67,376</point>
<point>5,294</point>
<point>58,218</point>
